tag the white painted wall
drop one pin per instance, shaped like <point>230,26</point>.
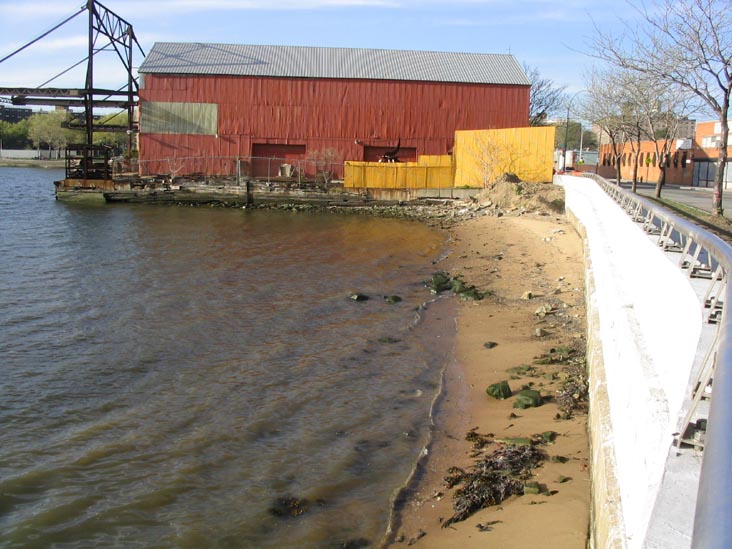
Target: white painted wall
<point>649,324</point>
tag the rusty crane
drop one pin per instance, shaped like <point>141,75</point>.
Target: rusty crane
<point>106,32</point>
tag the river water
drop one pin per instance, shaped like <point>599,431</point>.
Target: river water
<point>170,373</point>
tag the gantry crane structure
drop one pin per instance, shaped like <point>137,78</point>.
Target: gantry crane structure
<point>107,31</point>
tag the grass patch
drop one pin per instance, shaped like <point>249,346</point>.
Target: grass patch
<point>719,225</point>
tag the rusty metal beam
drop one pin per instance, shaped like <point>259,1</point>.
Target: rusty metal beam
<point>38,101</point>
<point>57,92</point>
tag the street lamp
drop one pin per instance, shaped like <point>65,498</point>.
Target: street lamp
<point>566,129</point>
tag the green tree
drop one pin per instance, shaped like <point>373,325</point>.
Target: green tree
<point>47,129</point>
<point>115,139</point>
<point>574,138</point>
<point>14,136</point>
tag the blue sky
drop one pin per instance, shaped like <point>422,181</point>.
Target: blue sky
<point>544,34</point>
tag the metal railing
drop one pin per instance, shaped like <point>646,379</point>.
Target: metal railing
<point>702,255</point>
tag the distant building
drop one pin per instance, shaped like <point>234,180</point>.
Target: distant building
<point>14,115</point>
<point>706,154</point>
<point>204,105</point>
<point>687,129</point>
<point>692,160</point>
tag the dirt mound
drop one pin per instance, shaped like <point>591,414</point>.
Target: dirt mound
<point>510,193</point>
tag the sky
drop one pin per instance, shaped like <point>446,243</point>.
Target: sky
<point>543,34</point>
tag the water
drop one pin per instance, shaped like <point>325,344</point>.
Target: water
<point>169,372</point>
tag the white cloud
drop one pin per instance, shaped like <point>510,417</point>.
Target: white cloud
<point>36,9</point>
<point>140,9</point>
<point>48,44</point>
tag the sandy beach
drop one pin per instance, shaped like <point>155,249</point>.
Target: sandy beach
<point>531,262</point>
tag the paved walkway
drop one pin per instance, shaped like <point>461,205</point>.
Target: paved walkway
<point>639,301</point>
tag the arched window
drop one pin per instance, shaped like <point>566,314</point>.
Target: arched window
<point>676,159</point>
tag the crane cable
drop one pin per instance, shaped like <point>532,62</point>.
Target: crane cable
<point>69,18</point>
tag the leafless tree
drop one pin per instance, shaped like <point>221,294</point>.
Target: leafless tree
<point>325,162</point>
<point>632,113</point>
<point>545,98</point>
<point>683,42</point>
<point>493,158</point>
<point>175,166</point>
<point>662,121</point>
<point>604,106</point>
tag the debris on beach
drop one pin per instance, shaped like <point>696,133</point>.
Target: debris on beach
<point>492,479</point>
<point>528,398</point>
<point>500,390</point>
<point>441,282</point>
<point>420,534</point>
<point>556,355</point>
<point>488,526</point>
<point>573,396</point>
<point>359,297</point>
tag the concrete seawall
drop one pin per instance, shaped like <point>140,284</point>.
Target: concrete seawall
<point>644,325</point>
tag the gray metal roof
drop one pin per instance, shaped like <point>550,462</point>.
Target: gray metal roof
<point>349,63</point>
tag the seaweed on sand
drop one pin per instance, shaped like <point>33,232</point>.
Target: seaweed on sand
<point>574,393</point>
<point>492,479</point>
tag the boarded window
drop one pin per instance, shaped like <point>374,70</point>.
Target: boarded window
<point>181,118</point>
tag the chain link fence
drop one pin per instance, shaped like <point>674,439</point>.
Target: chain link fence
<point>266,169</point>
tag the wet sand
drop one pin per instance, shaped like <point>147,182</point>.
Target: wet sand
<point>508,255</point>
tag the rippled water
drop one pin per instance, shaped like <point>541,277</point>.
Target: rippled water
<point>169,372</point>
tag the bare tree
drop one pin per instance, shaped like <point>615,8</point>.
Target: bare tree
<point>175,166</point>
<point>632,113</point>
<point>682,42</point>
<point>545,98</point>
<point>662,118</point>
<point>493,159</point>
<point>325,162</point>
<point>604,107</point>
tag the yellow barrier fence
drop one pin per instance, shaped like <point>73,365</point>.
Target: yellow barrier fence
<point>482,156</point>
<point>429,172</point>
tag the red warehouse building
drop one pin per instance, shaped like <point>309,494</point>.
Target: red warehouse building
<point>203,106</point>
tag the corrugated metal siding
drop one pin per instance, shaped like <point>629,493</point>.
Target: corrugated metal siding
<point>339,63</point>
<point>343,114</point>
